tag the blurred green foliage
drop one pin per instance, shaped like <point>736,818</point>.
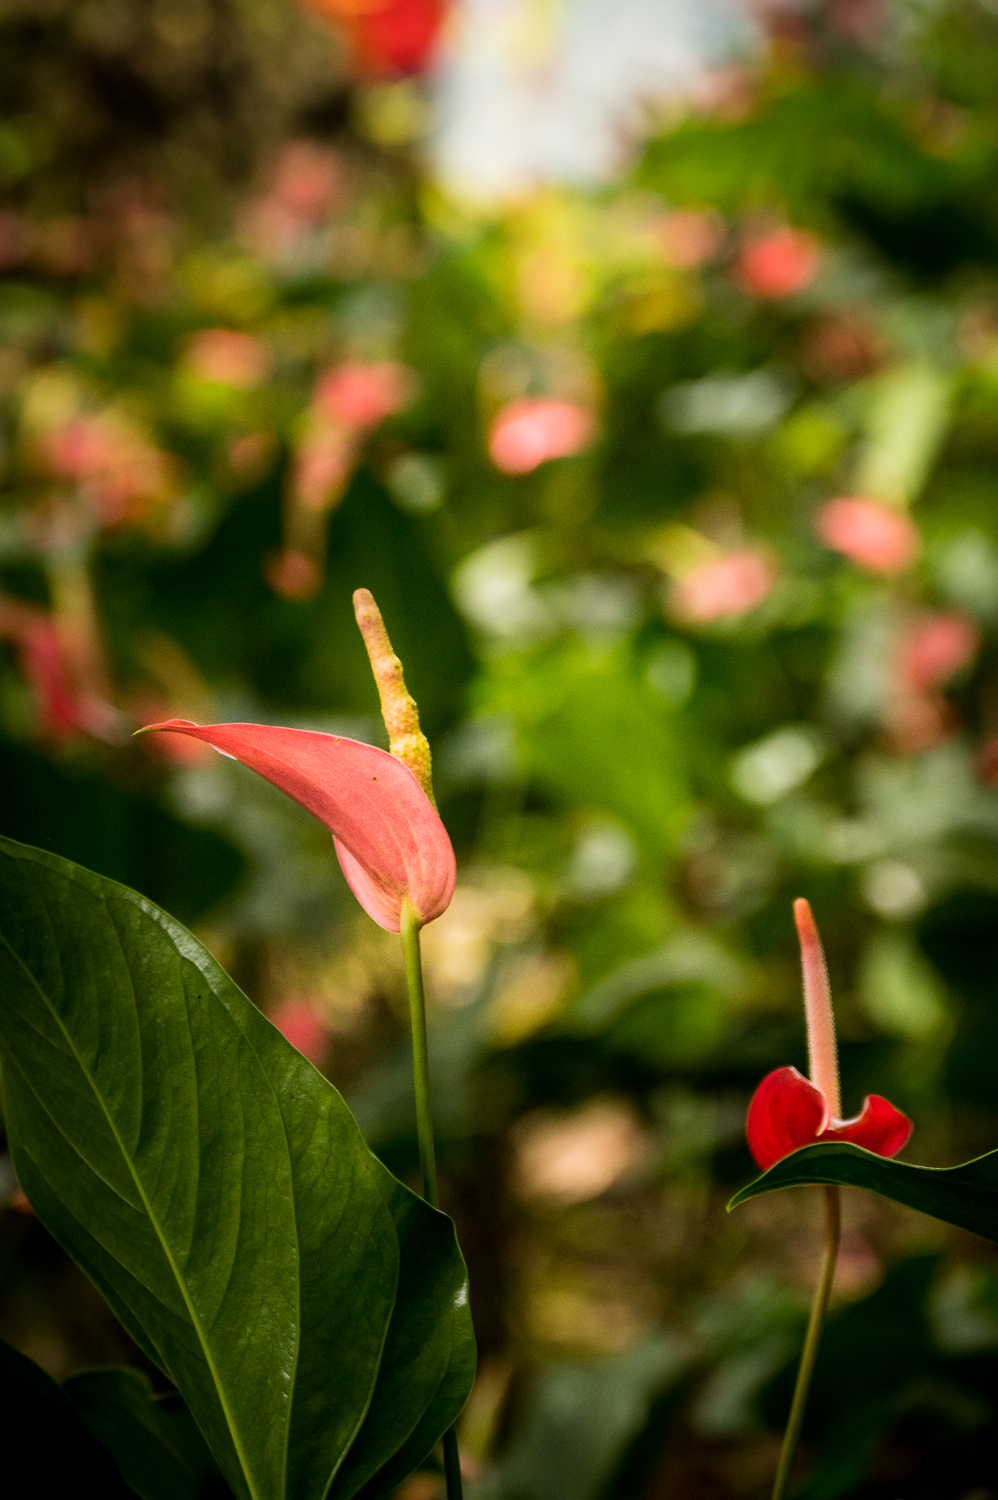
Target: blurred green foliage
<point>668,688</point>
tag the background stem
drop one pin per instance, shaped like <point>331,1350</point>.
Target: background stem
<point>819,1306</point>
<point>424,1127</point>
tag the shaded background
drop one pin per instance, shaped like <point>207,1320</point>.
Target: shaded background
<point>563,329</point>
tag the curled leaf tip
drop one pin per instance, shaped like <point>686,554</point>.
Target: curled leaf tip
<point>406,740</point>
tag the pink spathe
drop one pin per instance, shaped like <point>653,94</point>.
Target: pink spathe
<point>390,841</point>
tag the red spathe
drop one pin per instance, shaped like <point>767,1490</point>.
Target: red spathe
<point>389,838</point>
<point>788,1111</point>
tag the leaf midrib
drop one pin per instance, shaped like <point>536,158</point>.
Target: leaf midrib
<point>140,1189</point>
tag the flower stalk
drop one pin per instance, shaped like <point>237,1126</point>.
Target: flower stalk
<point>408,744</point>
<point>420,1057</point>
<point>816,1321</point>
<point>823,1061</point>
<point>424,1128</point>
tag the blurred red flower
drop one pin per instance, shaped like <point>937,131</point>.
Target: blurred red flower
<point>39,646</point>
<point>390,38</point>
<point>528,432</point>
<point>777,264</point>
<point>878,537</point>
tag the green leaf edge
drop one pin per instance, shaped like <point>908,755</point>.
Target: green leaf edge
<point>965,1196</point>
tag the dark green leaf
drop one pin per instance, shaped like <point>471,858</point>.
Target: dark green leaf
<point>155,1442</point>
<point>429,1346</point>
<point>208,1179</point>
<point>47,1449</point>
<point>966,1196</point>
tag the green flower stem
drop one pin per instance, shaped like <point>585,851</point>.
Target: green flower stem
<point>424,1127</point>
<point>420,1058</point>
<point>819,1307</point>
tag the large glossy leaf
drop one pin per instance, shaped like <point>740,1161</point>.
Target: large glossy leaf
<point>213,1185</point>
<point>47,1448</point>
<point>154,1441</point>
<point>427,1345</point>
<point>966,1196</point>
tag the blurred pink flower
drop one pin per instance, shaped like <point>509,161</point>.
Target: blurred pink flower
<point>723,586</point>
<point>930,649</point>
<point>690,236</point>
<point>304,1026</point>
<point>934,647</point>
<point>118,471</point>
<point>529,432</point>
<point>778,263</point>
<point>361,395</point>
<point>305,190</point>
<point>227,357</point>
<point>322,465</point>
<point>876,536</point>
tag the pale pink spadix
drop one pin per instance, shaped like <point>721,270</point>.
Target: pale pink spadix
<point>822,1051</point>
<point>389,839</point>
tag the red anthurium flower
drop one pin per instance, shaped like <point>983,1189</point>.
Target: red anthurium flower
<point>390,841</point>
<point>788,1110</point>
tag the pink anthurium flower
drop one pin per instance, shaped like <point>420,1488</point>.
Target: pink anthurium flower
<point>391,844</point>
<point>787,1110</point>
<point>389,839</point>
